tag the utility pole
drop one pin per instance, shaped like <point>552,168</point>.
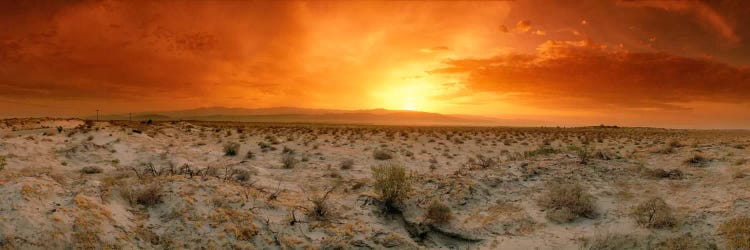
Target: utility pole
<point>97,115</point>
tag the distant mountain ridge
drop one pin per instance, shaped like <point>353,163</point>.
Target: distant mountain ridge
<point>304,115</point>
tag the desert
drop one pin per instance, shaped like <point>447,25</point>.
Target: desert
<point>71,183</point>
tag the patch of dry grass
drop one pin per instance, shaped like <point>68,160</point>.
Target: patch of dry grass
<point>736,233</point>
<point>391,183</point>
<point>654,213</point>
<point>566,201</point>
<point>438,213</point>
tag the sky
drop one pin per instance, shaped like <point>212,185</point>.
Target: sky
<point>630,63</point>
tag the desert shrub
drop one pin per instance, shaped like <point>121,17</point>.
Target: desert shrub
<point>381,154</point>
<point>288,161</point>
<point>320,209</point>
<point>566,201</point>
<point>347,164</point>
<point>584,155</point>
<point>658,173</point>
<point>736,233</point>
<point>438,213</point>
<point>611,241</point>
<point>231,149</point>
<point>150,195</point>
<point>91,170</point>
<point>738,173</point>
<point>59,129</point>
<point>682,242</point>
<point>541,150</point>
<point>653,213</point>
<point>391,183</point>
<point>250,155</point>
<point>603,155</point>
<point>740,162</point>
<point>485,162</point>
<point>287,150</point>
<point>697,161</point>
<point>144,195</point>
<point>241,175</point>
<point>3,163</point>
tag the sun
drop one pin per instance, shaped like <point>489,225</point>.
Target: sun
<point>410,106</point>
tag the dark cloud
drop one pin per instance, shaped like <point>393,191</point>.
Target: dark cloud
<point>702,11</point>
<point>523,26</point>
<point>585,73</point>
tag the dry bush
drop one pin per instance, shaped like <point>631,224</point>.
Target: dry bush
<point>658,173</point>
<point>321,210</point>
<point>148,195</point>
<point>654,213</point>
<point>347,164</point>
<point>612,241</point>
<point>485,162</point>
<point>381,154</point>
<point>697,161</point>
<point>241,175</point>
<point>740,162</point>
<point>288,161</point>
<point>567,201</point>
<point>3,163</point>
<point>392,184</point>
<point>736,233</point>
<point>682,242</point>
<point>584,155</point>
<point>231,149</point>
<point>438,213</point>
<point>738,173</point>
<point>541,150</point>
<point>91,170</point>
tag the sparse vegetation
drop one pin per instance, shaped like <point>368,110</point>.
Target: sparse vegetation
<point>540,151</point>
<point>472,191</point>
<point>683,242</point>
<point>612,241</point>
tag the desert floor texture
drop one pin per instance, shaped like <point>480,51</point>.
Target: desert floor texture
<point>68,183</point>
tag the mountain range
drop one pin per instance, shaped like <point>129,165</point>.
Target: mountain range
<point>304,115</point>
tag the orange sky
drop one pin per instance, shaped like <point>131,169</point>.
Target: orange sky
<point>636,63</point>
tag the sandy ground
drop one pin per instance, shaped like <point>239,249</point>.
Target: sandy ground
<point>171,185</point>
